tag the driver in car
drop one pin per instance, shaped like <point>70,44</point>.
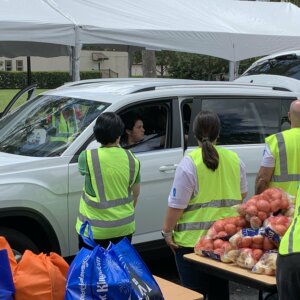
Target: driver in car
<point>134,137</point>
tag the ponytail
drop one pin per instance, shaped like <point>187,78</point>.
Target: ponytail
<point>206,128</point>
<point>210,155</point>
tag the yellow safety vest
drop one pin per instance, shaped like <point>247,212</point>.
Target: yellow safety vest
<point>113,171</point>
<point>285,147</point>
<point>219,190</point>
<point>290,243</point>
<point>65,129</point>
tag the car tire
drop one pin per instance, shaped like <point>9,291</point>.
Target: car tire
<point>18,241</point>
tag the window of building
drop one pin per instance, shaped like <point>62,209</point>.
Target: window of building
<point>8,65</point>
<point>19,65</point>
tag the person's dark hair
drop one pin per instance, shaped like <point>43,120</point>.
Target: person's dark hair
<point>109,126</point>
<point>206,128</point>
<point>129,120</point>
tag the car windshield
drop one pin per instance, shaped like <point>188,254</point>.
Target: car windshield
<point>288,66</point>
<point>46,125</point>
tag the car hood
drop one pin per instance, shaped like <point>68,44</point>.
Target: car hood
<point>12,159</point>
<point>272,80</point>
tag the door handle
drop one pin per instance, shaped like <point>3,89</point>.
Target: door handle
<point>168,168</point>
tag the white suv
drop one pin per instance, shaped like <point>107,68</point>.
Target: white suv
<point>279,69</point>
<point>40,185</point>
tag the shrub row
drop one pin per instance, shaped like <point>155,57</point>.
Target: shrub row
<point>44,80</point>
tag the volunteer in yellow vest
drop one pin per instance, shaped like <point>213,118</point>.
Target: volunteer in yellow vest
<point>288,260</point>
<point>65,126</point>
<point>208,182</point>
<point>278,166</point>
<point>111,187</point>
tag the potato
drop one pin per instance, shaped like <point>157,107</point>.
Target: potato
<point>230,229</point>
<point>263,205</point>
<point>251,210</point>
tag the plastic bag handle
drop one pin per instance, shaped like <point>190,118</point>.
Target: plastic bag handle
<point>90,239</point>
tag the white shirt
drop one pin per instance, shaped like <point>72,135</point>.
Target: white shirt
<point>268,159</point>
<point>185,184</point>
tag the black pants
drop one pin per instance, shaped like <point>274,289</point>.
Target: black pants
<point>102,243</point>
<point>288,276</point>
<point>191,276</point>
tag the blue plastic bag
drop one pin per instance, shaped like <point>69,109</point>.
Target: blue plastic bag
<point>7,288</point>
<point>143,284</point>
<point>95,274</point>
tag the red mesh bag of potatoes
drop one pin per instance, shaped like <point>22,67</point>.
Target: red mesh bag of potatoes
<point>259,207</point>
<point>276,227</point>
<point>227,227</point>
<point>213,248</point>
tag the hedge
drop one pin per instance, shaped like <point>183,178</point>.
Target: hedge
<point>44,80</point>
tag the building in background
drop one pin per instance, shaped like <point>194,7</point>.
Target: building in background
<point>109,63</point>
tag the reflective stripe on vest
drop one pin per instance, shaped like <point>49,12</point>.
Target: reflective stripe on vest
<point>204,225</point>
<point>290,242</point>
<point>204,208</point>
<point>106,224</point>
<point>109,218</point>
<point>103,204</point>
<point>284,180</point>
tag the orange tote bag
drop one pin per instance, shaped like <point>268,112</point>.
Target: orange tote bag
<point>40,277</point>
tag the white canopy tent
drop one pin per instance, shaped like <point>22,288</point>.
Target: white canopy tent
<point>34,21</point>
<point>33,28</point>
<point>233,30</point>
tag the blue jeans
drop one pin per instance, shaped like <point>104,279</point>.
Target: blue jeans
<point>191,276</point>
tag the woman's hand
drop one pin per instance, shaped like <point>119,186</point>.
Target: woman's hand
<point>171,244</point>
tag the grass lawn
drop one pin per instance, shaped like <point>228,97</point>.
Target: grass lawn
<point>6,95</point>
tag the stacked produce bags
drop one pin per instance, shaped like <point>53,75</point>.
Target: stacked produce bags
<point>251,239</point>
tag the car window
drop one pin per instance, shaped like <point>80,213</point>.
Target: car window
<point>46,125</point>
<point>288,66</point>
<point>246,120</point>
<point>156,120</point>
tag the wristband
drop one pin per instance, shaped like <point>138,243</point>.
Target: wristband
<point>166,234</point>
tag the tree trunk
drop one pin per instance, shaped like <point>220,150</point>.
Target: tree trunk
<point>149,63</point>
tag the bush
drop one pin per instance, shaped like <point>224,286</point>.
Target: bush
<point>44,80</point>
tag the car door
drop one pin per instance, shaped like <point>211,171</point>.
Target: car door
<point>29,90</point>
<point>162,117</point>
<point>245,123</point>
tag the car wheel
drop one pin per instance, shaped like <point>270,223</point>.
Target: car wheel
<point>18,241</point>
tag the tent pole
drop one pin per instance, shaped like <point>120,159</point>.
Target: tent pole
<point>76,57</point>
<point>29,77</point>
<point>231,70</point>
<point>130,59</point>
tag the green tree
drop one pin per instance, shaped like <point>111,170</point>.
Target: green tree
<point>197,66</point>
<point>163,61</point>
